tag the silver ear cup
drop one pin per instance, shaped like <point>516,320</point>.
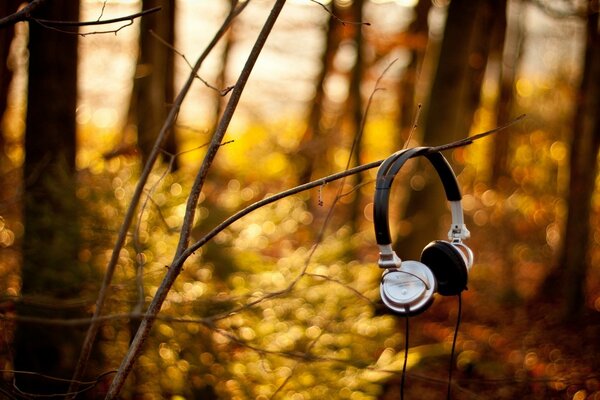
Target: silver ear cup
<point>466,253</point>
<point>409,289</point>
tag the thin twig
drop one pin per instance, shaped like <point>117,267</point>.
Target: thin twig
<point>310,346</point>
<point>363,121</point>
<point>413,129</point>
<point>102,10</point>
<point>84,34</point>
<point>222,92</point>
<point>471,139</point>
<point>350,288</point>
<point>90,384</point>
<point>341,21</point>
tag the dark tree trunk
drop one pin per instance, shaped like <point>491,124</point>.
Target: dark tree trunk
<point>222,77</point>
<point>7,7</point>
<point>510,38</point>
<point>153,88</point>
<point>313,143</point>
<point>356,110</point>
<point>490,22</point>
<point>569,280</point>
<point>50,268</point>
<point>505,53</point>
<point>449,114</point>
<point>419,31</point>
<point>9,177</point>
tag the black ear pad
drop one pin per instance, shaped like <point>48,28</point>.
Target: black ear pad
<point>448,266</point>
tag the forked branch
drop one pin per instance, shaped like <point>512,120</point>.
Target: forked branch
<point>25,14</point>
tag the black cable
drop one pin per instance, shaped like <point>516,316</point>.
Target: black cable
<point>405,358</point>
<point>454,346</point>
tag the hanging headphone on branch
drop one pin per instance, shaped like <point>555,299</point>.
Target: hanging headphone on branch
<point>407,287</point>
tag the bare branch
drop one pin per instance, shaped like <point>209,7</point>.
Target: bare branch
<point>222,92</point>
<point>471,139</point>
<point>414,126</point>
<point>341,21</point>
<point>89,384</point>
<point>25,14</point>
<point>102,10</point>
<point>54,23</point>
<point>21,15</point>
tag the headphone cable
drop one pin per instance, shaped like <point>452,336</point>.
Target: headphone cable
<point>458,317</point>
<point>406,318</point>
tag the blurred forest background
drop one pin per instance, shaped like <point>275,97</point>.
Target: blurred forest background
<point>284,303</point>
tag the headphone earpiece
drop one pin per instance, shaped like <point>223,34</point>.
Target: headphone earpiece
<point>449,266</point>
<point>408,290</point>
<point>407,287</point>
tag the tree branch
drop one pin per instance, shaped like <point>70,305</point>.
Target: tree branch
<point>54,25</point>
<point>222,92</point>
<point>25,15</point>
<point>21,15</point>
<point>338,19</point>
<point>131,17</point>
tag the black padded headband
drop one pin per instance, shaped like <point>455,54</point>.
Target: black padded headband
<point>388,171</point>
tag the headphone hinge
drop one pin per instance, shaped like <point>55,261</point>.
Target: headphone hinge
<point>457,233</point>
<point>388,257</point>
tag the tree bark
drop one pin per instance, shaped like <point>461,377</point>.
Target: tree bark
<point>7,7</point>
<point>153,89</point>
<point>356,110</point>
<point>312,142</point>
<point>510,37</point>
<point>419,30</point>
<point>449,114</point>
<point>574,260</point>
<point>51,238</point>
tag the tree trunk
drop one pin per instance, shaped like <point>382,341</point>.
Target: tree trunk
<point>569,283</point>
<point>448,117</point>
<point>312,143</point>
<point>512,43</point>
<point>228,42</point>
<point>7,7</point>
<point>153,88</point>
<point>490,19</point>
<point>419,30</point>
<point>505,52</point>
<point>356,110</point>
<point>50,268</point>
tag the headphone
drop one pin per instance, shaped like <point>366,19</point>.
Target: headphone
<point>407,287</point>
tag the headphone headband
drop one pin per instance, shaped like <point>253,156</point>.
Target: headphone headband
<point>385,177</point>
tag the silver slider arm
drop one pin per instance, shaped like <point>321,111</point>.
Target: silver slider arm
<point>458,230</point>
